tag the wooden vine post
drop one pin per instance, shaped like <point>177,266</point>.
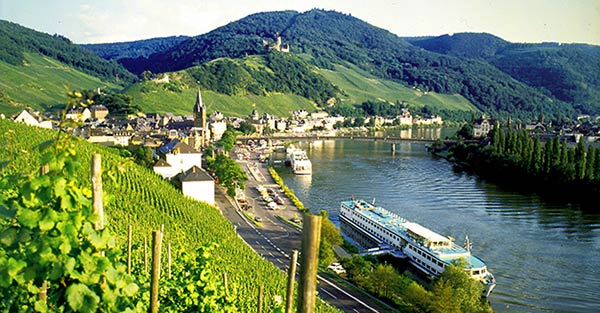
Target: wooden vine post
<point>97,190</point>
<point>156,246</point>
<point>291,278</point>
<point>307,287</point>
<point>43,294</point>
<point>146,254</point>
<point>260,298</point>
<point>169,260</point>
<point>129,242</point>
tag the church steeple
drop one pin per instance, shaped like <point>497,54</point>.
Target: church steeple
<point>199,112</point>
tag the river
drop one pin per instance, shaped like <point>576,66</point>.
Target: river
<point>545,256</point>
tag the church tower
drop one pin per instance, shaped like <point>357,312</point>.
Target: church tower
<point>199,112</point>
<point>199,133</point>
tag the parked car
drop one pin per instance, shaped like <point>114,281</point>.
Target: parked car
<point>278,200</point>
<point>272,206</point>
<point>258,218</point>
<point>337,268</point>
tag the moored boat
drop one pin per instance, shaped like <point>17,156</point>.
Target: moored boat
<point>299,162</point>
<point>426,250</point>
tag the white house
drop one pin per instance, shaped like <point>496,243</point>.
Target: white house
<point>481,127</point>
<point>197,184</point>
<point>29,119</point>
<point>217,129</point>
<point>178,158</point>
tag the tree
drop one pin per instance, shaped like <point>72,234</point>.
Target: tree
<point>536,164</point>
<point>418,296</point>
<point>144,156</point>
<point>580,159</point>
<point>246,128</point>
<point>459,292</point>
<point>466,131</point>
<point>359,121</point>
<point>228,139</point>
<point>330,236</point>
<point>228,172</point>
<point>589,163</point>
<point>357,269</point>
<point>384,280</point>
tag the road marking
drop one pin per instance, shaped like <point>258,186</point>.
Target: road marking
<point>329,293</point>
<point>347,294</point>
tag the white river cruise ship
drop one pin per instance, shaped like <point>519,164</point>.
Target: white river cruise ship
<point>299,162</point>
<point>428,251</point>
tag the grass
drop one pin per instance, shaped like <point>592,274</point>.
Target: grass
<point>40,83</point>
<point>361,86</point>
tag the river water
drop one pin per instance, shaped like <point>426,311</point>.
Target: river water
<point>545,256</point>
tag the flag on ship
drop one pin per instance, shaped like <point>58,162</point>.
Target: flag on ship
<point>468,245</point>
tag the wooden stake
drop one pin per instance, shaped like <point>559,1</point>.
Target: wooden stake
<point>307,287</point>
<point>260,298</point>
<point>289,301</point>
<point>43,294</point>
<point>97,190</point>
<point>169,259</point>
<point>156,245</point>
<point>129,239</point>
<point>146,254</point>
<point>225,284</point>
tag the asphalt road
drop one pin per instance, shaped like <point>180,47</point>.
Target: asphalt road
<point>275,240</point>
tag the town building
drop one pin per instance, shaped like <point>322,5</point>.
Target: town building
<point>482,127</point>
<point>198,184</point>
<point>176,157</point>
<point>32,119</point>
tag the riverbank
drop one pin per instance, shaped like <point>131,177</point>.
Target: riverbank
<point>557,178</point>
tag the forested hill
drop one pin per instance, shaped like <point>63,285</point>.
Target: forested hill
<point>331,38</point>
<point>134,49</point>
<point>570,72</point>
<point>16,41</point>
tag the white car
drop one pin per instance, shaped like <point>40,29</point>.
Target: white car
<point>337,268</point>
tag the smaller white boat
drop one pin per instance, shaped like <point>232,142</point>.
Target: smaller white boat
<point>299,162</point>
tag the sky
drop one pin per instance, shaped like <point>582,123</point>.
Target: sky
<point>565,21</point>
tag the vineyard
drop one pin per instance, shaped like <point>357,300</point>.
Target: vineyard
<point>136,196</point>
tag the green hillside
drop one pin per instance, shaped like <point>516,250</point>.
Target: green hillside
<point>40,83</point>
<point>236,86</point>
<point>359,86</point>
<point>333,38</point>
<point>152,97</point>
<point>139,197</point>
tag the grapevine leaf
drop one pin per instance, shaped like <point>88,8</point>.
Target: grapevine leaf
<point>8,237</point>
<point>47,222</point>
<point>41,306</point>
<point>112,275</point>
<point>65,246</point>
<point>131,289</point>
<point>14,267</point>
<point>28,218</point>
<point>6,212</point>
<point>81,298</point>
